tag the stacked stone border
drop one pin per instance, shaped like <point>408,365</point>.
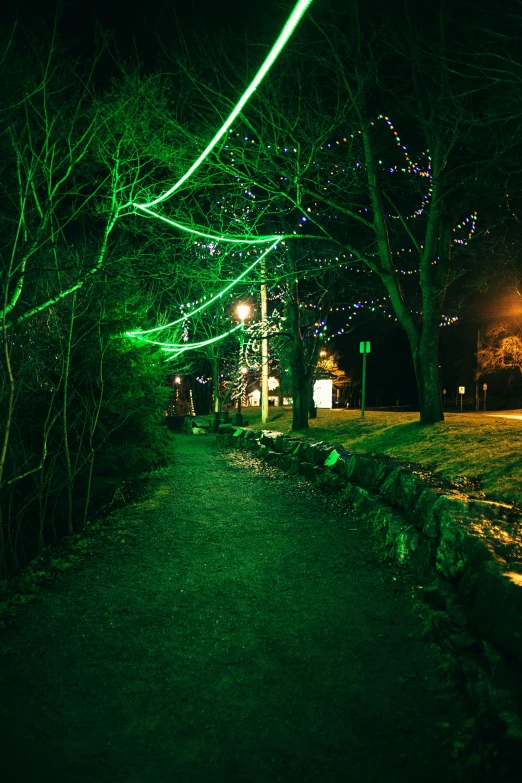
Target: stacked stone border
<point>465,551</point>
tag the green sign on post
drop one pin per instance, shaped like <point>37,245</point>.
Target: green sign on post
<point>364,348</point>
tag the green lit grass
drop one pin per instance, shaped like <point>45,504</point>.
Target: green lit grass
<point>475,445</point>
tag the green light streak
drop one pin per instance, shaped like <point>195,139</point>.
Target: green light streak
<point>188,346</point>
<point>239,239</point>
<point>177,348</point>
<point>292,22</point>
<point>183,318</point>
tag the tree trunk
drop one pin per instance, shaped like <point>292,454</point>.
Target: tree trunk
<point>215,382</point>
<point>299,378</point>
<point>426,364</point>
<point>66,449</point>
<point>312,410</point>
<point>300,396</point>
<point>94,424</point>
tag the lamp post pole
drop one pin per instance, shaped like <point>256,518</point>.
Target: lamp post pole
<point>364,348</point>
<point>243,311</point>
<point>239,418</point>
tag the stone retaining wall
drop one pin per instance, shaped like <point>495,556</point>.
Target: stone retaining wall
<point>466,552</point>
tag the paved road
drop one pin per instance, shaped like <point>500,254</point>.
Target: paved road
<point>504,415</point>
<point>231,627</point>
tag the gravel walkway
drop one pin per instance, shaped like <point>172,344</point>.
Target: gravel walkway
<point>232,627</point>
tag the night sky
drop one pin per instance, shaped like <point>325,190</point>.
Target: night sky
<point>136,26</point>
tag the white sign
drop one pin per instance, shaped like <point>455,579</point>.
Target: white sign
<point>254,397</point>
<point>462,390</point>
<point>323,393</point>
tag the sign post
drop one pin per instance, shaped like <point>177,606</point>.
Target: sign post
<point>364,348</point>
<point>485,389</point>
<point>462,391</point>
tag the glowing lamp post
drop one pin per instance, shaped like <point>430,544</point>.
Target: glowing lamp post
<point>177,381</point>
<point>242,311</point>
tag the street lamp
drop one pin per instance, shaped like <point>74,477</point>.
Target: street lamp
<point>243,311</point>
<point>177,381</point>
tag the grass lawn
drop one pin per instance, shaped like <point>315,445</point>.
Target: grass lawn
<point>476,445</point>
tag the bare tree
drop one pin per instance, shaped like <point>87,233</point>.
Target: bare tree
<point>501,350</point>
<point>74,159</point>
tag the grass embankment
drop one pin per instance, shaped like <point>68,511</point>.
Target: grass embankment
<point>480,446</point>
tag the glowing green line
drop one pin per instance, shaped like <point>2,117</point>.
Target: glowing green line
<point>240,239</point>
<point>206,304</point>
<point>292,22</point>
<point>178,348</point>
<point>185,346</point>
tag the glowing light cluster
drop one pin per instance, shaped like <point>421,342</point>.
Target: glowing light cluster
<point>471,224</point>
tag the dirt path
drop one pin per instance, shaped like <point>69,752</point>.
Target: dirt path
<point>237,630</point>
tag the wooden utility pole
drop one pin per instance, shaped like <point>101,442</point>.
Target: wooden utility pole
<point>264,348</point>
<point>477,373</point>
